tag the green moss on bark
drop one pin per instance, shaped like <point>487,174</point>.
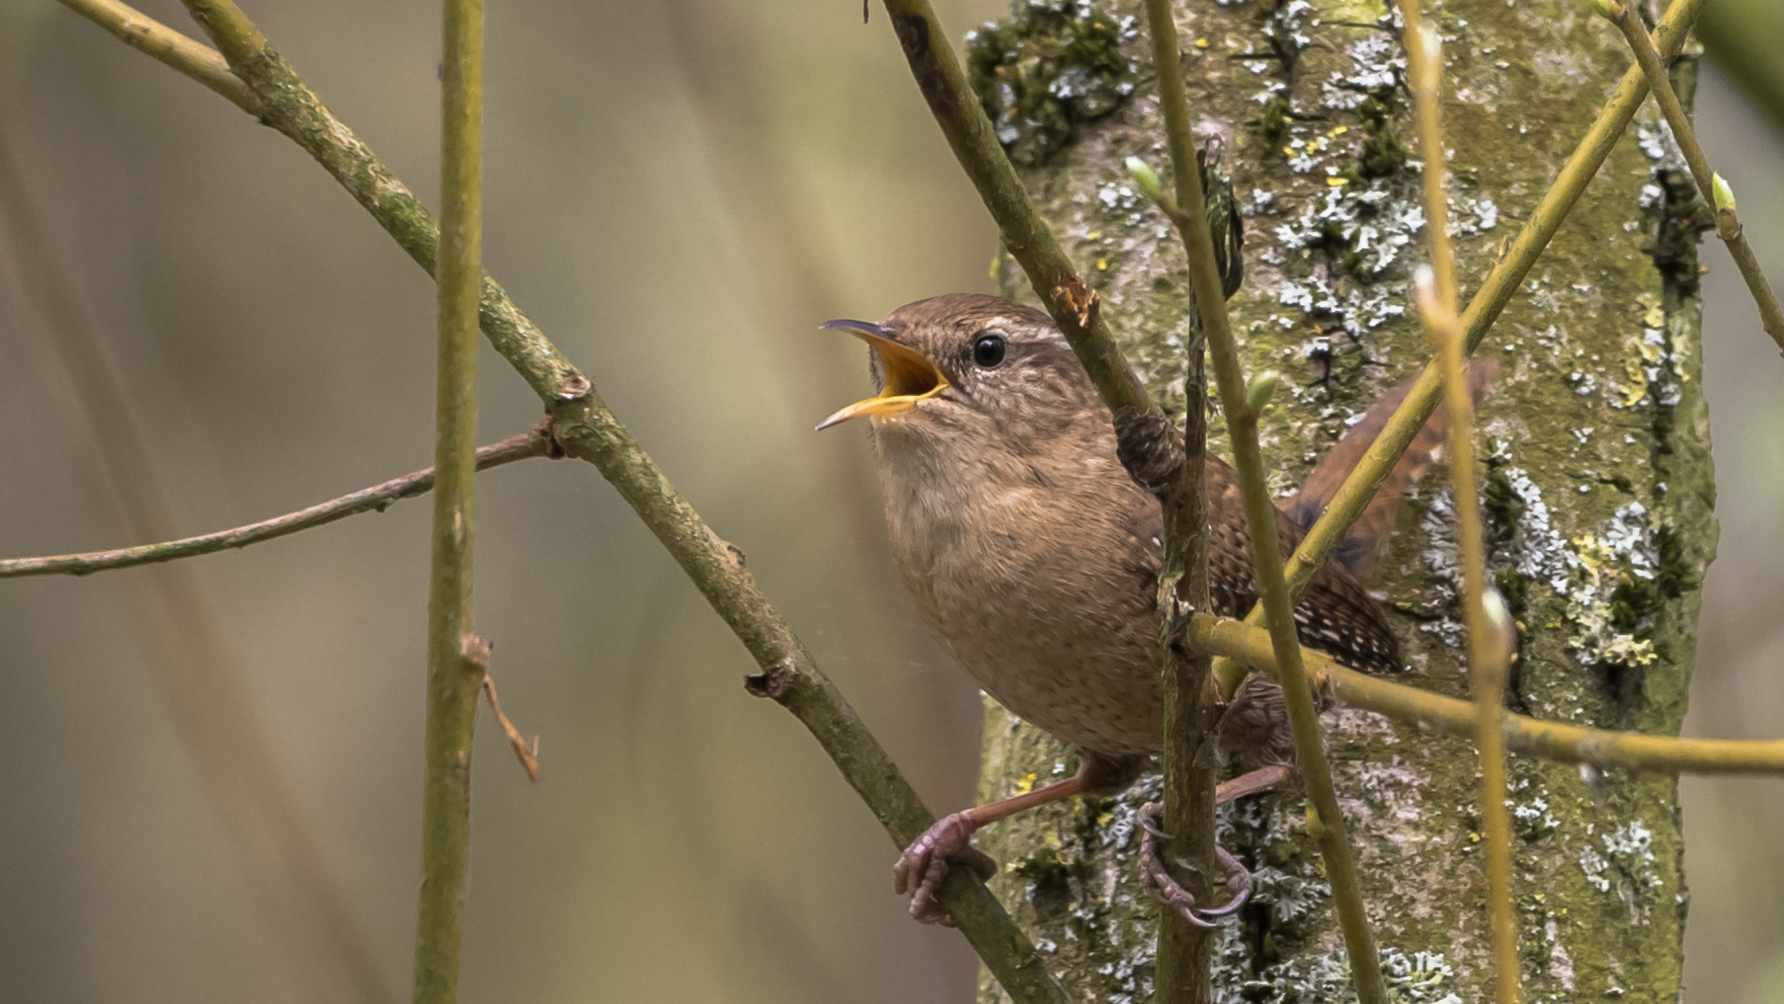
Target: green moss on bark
<point>1054,65</point>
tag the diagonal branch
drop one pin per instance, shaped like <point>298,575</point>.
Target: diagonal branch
<point>377,497</point>
<point>1728,226</point>
<point>588,430</point>
<point>187,55</point>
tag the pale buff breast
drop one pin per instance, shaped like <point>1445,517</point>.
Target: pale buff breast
<point>995,562</point>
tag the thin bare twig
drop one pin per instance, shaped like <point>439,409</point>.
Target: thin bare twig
<point>1487,650</point>
<point>375,498</point>
<point>526,753</point>
<point>1185,950</point>
<point>1728,226</point>
<point>1260,515</point>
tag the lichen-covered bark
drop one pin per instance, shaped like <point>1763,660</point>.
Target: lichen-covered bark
<point>1598,479</point>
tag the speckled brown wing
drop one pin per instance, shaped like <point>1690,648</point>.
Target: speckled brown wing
<point>1336,615</point>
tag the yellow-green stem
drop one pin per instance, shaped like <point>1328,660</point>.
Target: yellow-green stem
<point>1316,775</point>
<point>1261,516</point>
<point>1424,63</point>
<point>1631,751</point>
<point>1424,53</point>
<point>1484,307</point>
<point>189,56</point>
<point>1486,656</point>
<point>1728,226</point>
<point>456,658</point>
<point>236,36</point>
<point>1185,951</point>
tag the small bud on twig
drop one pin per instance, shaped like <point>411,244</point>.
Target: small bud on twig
<point>1145,177</point>
<point>1502,632</point>
<point>1724,194</point>
<point>1432,44</point>
<point>1606,8</point>
<point>1262,389</point>
<point>1424,291</point>
<point>1316,827</point>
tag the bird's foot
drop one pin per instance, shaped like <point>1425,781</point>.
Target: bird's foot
<point>924,864</point>
<point>1157,881</point>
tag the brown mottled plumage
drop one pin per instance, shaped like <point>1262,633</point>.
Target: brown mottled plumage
<point>1032,555</point>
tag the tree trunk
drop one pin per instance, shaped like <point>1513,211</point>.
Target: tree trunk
<point>1595,443</point>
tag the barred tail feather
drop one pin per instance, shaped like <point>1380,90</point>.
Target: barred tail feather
<point>1369,536</point>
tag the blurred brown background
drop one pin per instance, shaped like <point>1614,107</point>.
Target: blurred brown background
<point>678,193</point>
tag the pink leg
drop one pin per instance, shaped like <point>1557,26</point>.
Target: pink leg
<point>924,864</point>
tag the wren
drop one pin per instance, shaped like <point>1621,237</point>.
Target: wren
<point>1032,555</point>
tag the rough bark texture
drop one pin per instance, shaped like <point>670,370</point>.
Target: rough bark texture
<point>1597,472</point>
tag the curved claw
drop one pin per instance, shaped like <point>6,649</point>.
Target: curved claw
<point>1159,883</point>
<point>924,864</point>
<point>1238,885</point>
<point>1145,818</point>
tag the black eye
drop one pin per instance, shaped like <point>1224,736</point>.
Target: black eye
<point>988,350</point>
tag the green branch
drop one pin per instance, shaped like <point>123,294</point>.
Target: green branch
<point>457,659</point>
<point>1631,751</point>
<point>227,26</point>
<point>1261,515</point>
<point>1495,292</point>
<point>588,430</point>
<point>377,497</point>
<point>1728,226</point>
<point>1191,723</point>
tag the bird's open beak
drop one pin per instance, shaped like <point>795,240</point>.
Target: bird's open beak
<point>910,376</point>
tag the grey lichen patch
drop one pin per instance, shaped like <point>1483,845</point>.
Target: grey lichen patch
<point>1623,859</point>
<point>1054,65</point>
<point>1612,577</point>
<point>1416,978</point>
